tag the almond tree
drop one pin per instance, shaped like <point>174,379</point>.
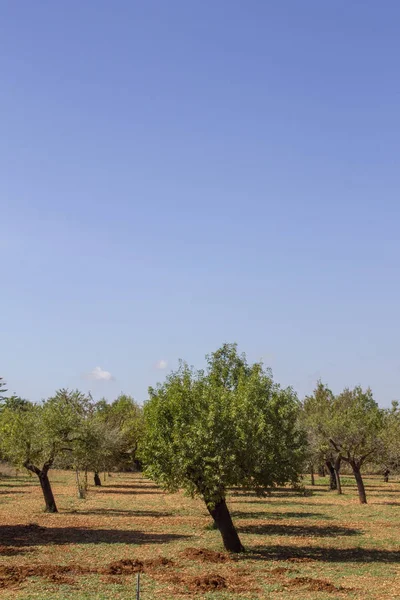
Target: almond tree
<point>229,425</point>
<point>316,416</point>
<point>389,455</point>
<point>354,429</point>
<point>33,435</point>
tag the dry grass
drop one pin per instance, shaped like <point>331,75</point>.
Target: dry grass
<point>298,546</point>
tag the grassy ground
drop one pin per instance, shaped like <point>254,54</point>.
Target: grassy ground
<point>310,547</point>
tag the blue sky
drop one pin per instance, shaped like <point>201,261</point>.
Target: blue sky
<point>178,174</point>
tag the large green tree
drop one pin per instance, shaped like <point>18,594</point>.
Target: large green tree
<point>229,425</point>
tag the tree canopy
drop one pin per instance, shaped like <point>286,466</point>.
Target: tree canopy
<point>228,425</point>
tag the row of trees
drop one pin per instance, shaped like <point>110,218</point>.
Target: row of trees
<point>205,431</point>
<point>70,431</point>
<point>350,428</point>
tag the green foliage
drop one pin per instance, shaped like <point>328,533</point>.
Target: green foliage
<point>3,390</point>
<point>316,414</point>
<point>355,425</point>
<point>123,424</point>
<point>34,435</point>
<point>389,455</point>
<point>229,425</point>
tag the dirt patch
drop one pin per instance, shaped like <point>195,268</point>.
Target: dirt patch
<point>125,567</point>
<point>207,583</point>
<point>15,575</point>
<point>11,576</point>
<point>316,585</point>
<point>204,555</point>
<point>161,561</point>
<point>128,566</point>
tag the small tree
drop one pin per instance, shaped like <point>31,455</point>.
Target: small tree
<point>354,430</point>
<point>230,425</point>
<point>123,420</point>
<point>3,390</point>
<point>389,455</point>
<point>316,416</point>
<point>33,436</point>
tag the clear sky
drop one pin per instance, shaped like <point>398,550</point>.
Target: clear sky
<point>176,174</point>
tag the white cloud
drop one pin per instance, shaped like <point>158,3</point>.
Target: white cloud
<point>161,364</point>
<point>100,375</point>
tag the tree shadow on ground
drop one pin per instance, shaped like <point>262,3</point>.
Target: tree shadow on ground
<point>275,492</point>
<point>9,492</point>
<point>323,554</point>
<point>110,490</point>
<point>34,535</point>
<point>17,485</point>
<point>119,513</point>
<point>278,516</point>
<point>270,501</point>
<point>131,486</point>
<point>386,503</point>
<point>299,530</point>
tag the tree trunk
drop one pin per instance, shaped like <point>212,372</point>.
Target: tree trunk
<point>312,474</point>
<point>332,477</point>
<point>47,492</point>
<point>386,476</point>
<point>360,484</point>
<point>220,514</point>
<point>97,480</point>
<point>50,503</point>
<point>338,461</point>
<point>321,471</point>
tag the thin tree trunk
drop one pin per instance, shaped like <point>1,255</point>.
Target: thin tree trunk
<point>312,474</point>
<point>222,518</point>
<point>386,476</point>
<point>332,478</point>
<point>321,471</point>
<point>97,480</point>
<point>338,461</point>
<point>360,484</point>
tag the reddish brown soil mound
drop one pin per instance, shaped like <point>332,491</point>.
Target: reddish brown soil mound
<point>204,555</point>
<point>125,566</point>
<point>161,561</point>
<point>10,576</point>
<point>316,585</point>
<point>207,583</point>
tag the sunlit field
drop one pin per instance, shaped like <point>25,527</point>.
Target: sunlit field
<point>297,545</point>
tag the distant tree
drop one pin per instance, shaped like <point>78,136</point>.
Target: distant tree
<point>33,436</point>
<point>389,454</point>
<point>124,420</point>
<point>3,390</point>
<point>230,425</point>
<point>354,430</point>
<point>97,446</point>
<point>316,417</point>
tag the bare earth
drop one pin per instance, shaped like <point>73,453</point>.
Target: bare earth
<point>307,547</point>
